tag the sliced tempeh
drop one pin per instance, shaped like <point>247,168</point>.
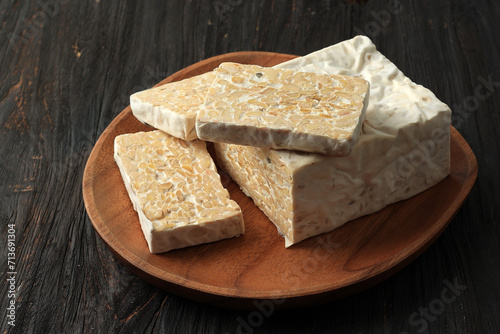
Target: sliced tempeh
<point>176,191</point>
<point>282,108</point>
<point>173,107</point>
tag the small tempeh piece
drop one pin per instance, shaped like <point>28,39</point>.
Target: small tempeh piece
<point>173,107</point>
<point>283,109</point>
<point>176,191</point>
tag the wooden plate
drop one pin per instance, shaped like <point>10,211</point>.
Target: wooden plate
<point>240,272</point>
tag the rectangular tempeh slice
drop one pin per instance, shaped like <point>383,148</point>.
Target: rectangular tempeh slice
<point>176,191</point>
<point>173,107</point>
<point>403,150</point>
<point>283,109</point>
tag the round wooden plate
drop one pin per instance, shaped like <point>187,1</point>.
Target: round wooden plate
<point>256,266</point>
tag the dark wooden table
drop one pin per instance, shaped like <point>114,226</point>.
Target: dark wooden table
<point>67,69</point>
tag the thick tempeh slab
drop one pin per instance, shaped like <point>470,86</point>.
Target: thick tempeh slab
<point>176,190</point>
<point>403,150</point>
<point>282,108</point>
<point>173,107</point>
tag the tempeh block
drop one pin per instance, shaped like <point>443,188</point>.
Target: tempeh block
<point>403,150</point>
<point>176,191</point>
<point>173,107</point>
<point>283,109</point>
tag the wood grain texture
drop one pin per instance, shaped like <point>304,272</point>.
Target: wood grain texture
<point>67,71</point>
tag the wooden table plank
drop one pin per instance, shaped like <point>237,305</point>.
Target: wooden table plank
<point>68,68</point>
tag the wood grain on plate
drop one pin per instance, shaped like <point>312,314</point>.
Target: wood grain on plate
<point>236,272</point>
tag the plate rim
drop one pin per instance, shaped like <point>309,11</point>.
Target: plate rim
<point>170,281</point>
